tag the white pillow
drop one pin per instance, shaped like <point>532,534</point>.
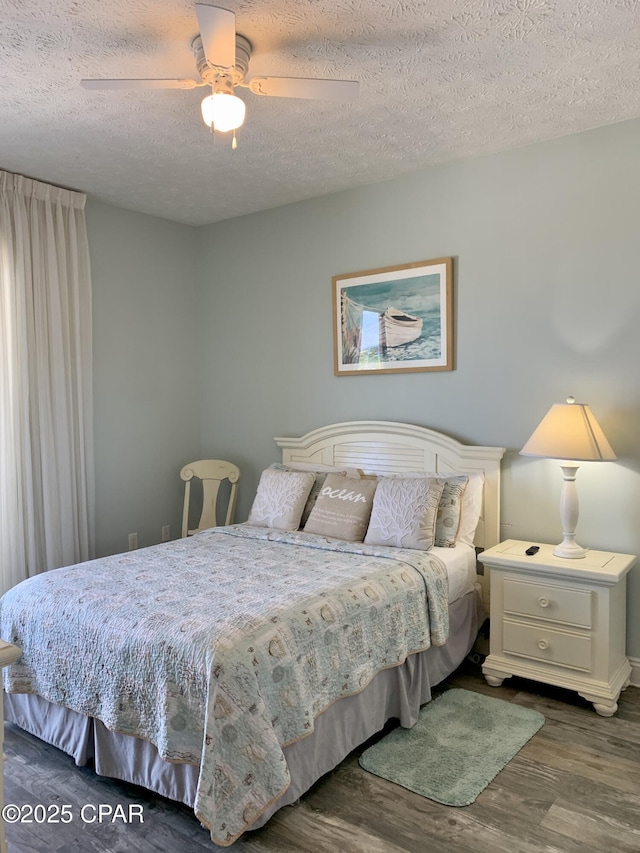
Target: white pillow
<point>280,499</point>
<point>404,512</point>
<point>471,509</point>
<point>471,500</point>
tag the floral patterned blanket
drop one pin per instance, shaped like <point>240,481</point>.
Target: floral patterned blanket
<point>222,648</point>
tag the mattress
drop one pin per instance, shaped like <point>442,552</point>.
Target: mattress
<point>460,562</point>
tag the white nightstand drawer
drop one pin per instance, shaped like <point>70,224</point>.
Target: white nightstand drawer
<point>540,643</point>
<point>544,601</point>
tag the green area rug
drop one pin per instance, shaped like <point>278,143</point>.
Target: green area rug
<point>461,741</point>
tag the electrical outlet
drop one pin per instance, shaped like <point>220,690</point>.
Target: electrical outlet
<point>166,533</point>
<point>133,541</point>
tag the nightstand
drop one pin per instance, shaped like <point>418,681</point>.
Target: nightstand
<point>560,621</point>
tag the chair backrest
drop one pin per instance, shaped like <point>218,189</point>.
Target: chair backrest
<point>212,472</point>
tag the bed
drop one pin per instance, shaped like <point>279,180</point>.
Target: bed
<point>323,641</point>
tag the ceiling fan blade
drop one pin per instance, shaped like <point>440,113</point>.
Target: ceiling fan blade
<point>218,34</point>
<point>299,87</point>
<point>139,84</point>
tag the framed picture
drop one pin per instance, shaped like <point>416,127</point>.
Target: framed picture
<point>394,320</point>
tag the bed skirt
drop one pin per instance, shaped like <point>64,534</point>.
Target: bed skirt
<point>394,693</point>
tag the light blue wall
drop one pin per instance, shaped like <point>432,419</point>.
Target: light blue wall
<point>146,356</point>
<point>547,303</point>
<point>210,341</point>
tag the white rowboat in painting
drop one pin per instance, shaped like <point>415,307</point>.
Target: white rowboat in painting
<point>370,331</point>
<point>398,327</point>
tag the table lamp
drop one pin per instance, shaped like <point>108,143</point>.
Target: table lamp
<point>569,432</point>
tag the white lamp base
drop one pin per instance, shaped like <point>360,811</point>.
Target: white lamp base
<point>570,549</point>
<point>569,509</point>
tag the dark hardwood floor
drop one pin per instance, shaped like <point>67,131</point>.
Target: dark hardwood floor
<point>574,788</point>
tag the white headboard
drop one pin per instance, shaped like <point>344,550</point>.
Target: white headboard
<point>383,447</point>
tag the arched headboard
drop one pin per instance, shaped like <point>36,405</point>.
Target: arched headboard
<point>384,447</point>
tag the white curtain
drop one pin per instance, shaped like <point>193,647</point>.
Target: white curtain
<point>46,406</point>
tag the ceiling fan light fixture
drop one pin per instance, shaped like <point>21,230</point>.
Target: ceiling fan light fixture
<point>222,109</point>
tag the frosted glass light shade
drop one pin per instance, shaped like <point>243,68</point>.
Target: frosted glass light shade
<point>225,112</point>
<point>569,431</point>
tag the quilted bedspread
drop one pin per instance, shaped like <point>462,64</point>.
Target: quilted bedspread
<point>222,648</point>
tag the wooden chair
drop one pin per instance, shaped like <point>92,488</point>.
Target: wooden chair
<point>212,472</point>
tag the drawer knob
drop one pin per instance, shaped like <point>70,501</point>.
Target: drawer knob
<point>543,602</point>
<point>543,644</point>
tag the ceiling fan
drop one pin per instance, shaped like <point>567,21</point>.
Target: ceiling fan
<point>222,59</point>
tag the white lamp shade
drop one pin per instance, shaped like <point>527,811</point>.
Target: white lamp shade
<point>569,431</point>
<point>225,112</point>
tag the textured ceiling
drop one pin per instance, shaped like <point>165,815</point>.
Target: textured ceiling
<point>440,80</point>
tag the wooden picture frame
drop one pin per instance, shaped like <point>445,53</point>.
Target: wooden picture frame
<point>394,320</point>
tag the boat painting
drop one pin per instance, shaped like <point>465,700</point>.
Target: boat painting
<point>393,320</point>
